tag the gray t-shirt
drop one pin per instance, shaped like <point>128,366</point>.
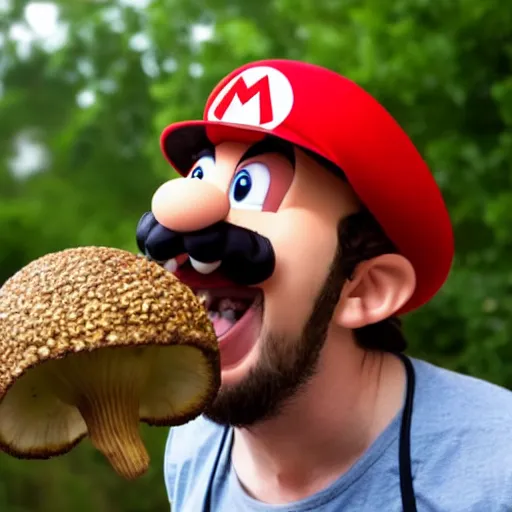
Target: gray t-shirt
<point>461,457</point>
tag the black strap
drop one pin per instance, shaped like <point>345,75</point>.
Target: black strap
<point>404,456</point>
<point>207,504</point>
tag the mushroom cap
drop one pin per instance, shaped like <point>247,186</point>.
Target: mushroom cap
<point>77,302</point>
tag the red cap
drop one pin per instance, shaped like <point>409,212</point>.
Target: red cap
<point>319,110</point>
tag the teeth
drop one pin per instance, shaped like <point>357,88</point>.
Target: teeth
<point>205,268</point>
<point>226,304</point>
<point>204,298</point>
<point>228,314</point>
<point>171,265</point>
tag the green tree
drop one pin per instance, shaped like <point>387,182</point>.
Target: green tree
<point>87,106</point>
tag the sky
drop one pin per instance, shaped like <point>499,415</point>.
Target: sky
<point>43,21</point>
<point>42,18</point>
<point>43,25</point>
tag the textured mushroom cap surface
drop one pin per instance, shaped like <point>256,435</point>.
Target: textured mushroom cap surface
<point>78,301</point>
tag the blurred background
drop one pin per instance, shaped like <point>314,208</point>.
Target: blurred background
<point>87,86</point>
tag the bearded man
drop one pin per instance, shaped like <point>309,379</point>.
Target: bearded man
<point>309,224</point>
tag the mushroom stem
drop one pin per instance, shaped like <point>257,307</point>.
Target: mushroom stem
<point>113,424</point>
<point>105,386</point>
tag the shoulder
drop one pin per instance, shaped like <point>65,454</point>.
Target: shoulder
<point>196,436</point>
<point>462,428</point>
<point>451,400</point>
<point>190,452</point>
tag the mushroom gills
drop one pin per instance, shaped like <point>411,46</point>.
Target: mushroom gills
<point>104,393</point>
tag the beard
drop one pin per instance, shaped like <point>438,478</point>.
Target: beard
<point>284,367</point>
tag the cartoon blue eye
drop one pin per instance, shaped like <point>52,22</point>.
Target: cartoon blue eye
<point>197,173</point>
<point>249,187</point>
<point>203,168</point>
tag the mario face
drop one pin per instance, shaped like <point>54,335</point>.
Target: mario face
<point>257,225</point>
<point>277,199</point>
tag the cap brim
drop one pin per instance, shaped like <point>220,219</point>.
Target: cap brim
<point>181,142</point>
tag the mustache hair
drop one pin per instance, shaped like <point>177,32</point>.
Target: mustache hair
<point>247,257</point>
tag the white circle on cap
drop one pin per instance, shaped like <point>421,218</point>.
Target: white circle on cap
<point>260,96</point>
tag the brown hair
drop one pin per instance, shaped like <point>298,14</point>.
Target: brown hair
<point>361,238</point>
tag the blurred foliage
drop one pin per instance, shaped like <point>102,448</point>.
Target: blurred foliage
<point>97,100</point>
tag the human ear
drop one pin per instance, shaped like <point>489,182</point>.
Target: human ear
<point>378,289</point>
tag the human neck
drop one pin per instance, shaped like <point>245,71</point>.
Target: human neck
<point>346,405</point>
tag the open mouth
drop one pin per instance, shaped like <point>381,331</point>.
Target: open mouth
<point>227,306</point>
<point>230,307</point>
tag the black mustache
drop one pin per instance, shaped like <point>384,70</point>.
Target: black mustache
<point>247,257</point>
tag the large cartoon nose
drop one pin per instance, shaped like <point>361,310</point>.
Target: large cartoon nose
<point>186,205</point>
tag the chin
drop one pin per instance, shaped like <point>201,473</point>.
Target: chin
<point>236,313</point>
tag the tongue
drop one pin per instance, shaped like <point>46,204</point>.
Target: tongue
<point>221,325</point>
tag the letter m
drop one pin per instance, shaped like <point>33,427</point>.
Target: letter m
<point>244,94</point>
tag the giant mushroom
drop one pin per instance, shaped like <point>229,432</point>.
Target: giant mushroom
<point>93,341</point>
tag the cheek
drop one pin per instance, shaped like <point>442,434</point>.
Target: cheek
<point>282,178</point>
<point>305,246</point>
